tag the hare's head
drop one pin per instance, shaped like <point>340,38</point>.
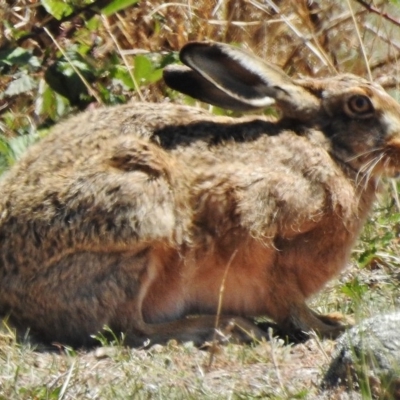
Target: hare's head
<point>358,119</point>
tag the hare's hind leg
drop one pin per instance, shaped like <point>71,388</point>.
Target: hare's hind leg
<point>199,330</point>
<point>73,299</point>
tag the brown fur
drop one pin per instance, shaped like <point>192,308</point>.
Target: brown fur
<point>129,217</point>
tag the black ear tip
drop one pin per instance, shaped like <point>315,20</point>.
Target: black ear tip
<point>195,44</point>
<point>195,48</point>
<point>187,49</point>
<point>183,80</point>
<point>173,70</point>
<point>175,76</point>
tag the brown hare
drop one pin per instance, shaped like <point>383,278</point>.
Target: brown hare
<point>135,216</point>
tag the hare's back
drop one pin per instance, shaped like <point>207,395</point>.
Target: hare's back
<point>98,179</point>
<point>93,133</point>
<point>95,141</point>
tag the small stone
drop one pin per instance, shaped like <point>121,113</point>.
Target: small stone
<point>105,352</point>
<point>368,353</point>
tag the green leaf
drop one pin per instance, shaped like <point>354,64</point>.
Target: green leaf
<point>143,68</point>
<point>145,72</point>
<point>12,149</point>
<point>62,78</point>
<point>23,84</point>
<point>57,8</point>
<point>117,5</point>
<point>354,289</point>
<point>6,156</point>
<point>20,144</point>
<point>155,76</point>
<point>49,103</point>
<point>121,74</point>
<point>109,96</point>
<point>93,24</point>
<point>170,58</point>
<point>394,218</point>
<point>18,57</point>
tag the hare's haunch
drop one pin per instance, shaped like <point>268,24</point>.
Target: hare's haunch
<point>134,216</point>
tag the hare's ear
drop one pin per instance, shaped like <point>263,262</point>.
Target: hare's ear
<point>228,75</point>
<point>190,82</point>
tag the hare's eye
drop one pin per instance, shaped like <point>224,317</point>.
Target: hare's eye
<point>360,105</point>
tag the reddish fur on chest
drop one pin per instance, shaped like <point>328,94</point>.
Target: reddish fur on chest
<point>249,277</point>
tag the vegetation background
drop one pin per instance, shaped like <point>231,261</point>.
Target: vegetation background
<point>58,57</point>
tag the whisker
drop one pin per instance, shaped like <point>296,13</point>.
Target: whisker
<point>364,154</point>
<point>363,170</point>
<point>370,170</point>
<point>367,169</point>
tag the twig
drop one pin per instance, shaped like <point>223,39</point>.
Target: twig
<point>219,309</point>
<point>395,194</point>
<point>217,6</point>
<point>66,382</point>
<point>317,52</point>
<point>360,40</point>
<point>384,15</point>
<point>272,340</point>
<point>389,40</point>
<point>166,5</point>
<point>85,82</point>
<point>340,19</point>
<point>319,344</point>
<point>128,67</point>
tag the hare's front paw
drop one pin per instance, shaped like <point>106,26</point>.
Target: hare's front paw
<point>302,321</point>
<point>239,330</point>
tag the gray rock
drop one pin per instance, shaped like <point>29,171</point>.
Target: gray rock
<point>367,358</point>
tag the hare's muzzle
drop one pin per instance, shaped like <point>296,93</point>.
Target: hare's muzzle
<point>391,159</point>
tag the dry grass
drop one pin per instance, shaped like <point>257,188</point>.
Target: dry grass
<point>265,370</point>
<point>304,38</point>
